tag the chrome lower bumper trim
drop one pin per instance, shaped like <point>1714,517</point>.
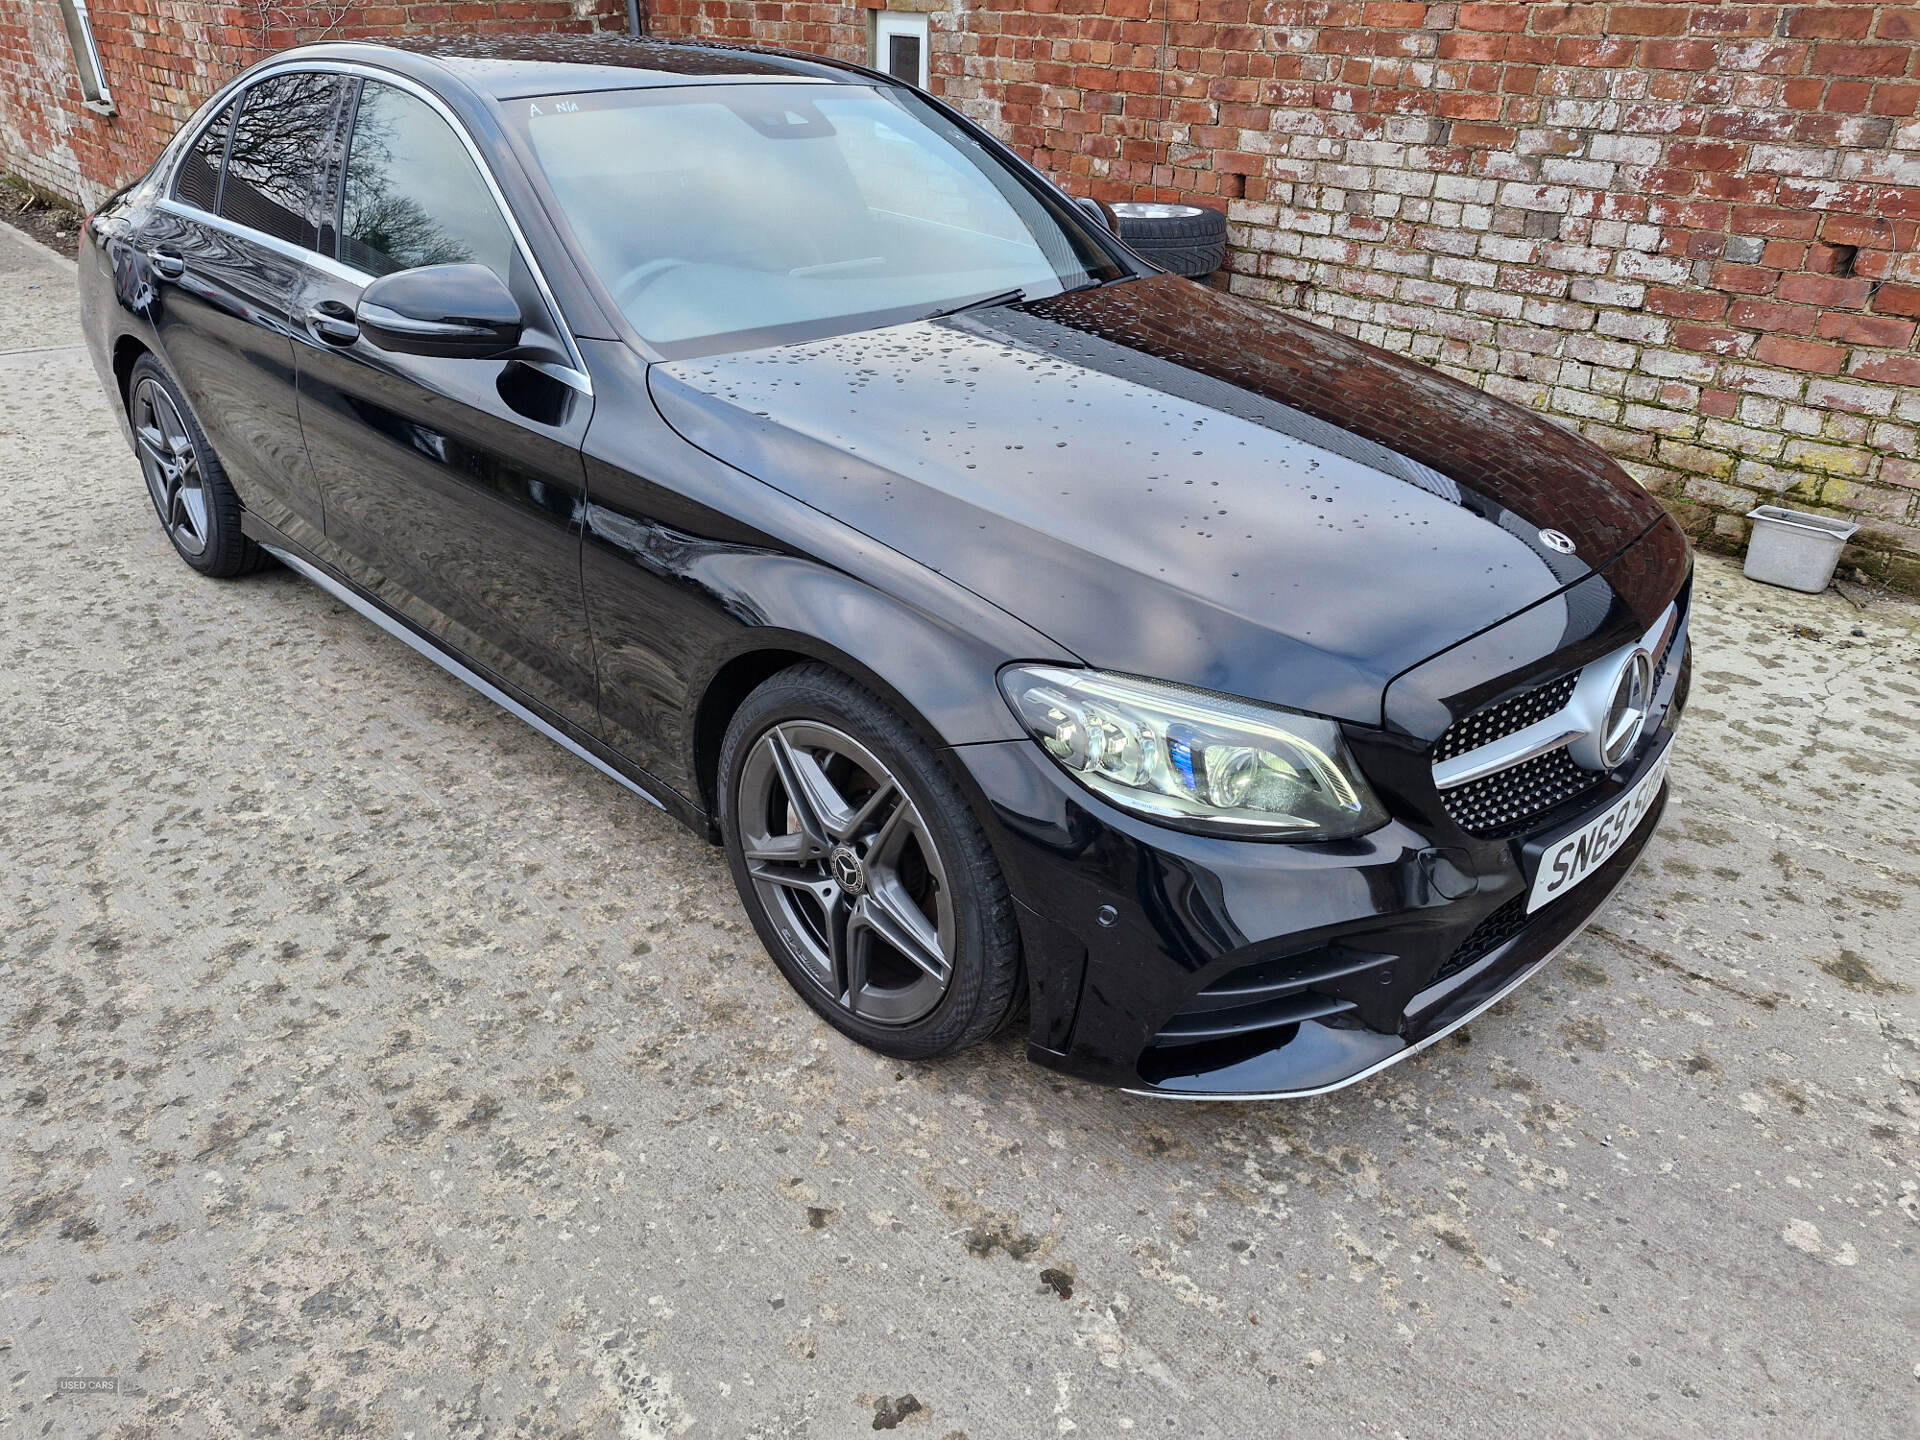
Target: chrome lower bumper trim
<point>453,667</point>
<point>1414,1049</point>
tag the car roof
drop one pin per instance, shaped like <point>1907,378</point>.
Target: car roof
<point>506,67</point>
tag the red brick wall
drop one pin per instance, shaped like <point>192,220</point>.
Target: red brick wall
<point>163,57</point>
<point>1691,232</point>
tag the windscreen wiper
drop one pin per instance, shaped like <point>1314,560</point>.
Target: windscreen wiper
<point>1005,297</point>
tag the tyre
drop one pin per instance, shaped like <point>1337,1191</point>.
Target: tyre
<point>1188,240</point>
<point>196,505</point>
<point>863,869</point>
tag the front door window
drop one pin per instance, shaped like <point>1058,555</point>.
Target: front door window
<point>413,194</point>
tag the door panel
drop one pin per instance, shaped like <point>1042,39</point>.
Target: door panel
<point>222,315</point>
<point>454,489</point>
<point>226,285</point>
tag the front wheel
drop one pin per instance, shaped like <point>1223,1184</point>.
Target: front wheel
<point>863,868</point>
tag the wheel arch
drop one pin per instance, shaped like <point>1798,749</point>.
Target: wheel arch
<point>765,654</point>
<point>127,350</point>
<point>742,674</point>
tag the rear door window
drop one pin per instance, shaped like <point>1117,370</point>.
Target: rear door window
<point>277,161</point>
<point>198,180</point>
<point>413,195</point>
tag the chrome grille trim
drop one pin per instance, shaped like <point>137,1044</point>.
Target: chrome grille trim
<point>1504,717</point>
<point>1510,750</point>
<point>1583,715</point>
<point>1508,802</point>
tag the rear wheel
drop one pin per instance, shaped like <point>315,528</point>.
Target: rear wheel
<point>863,869</point>
<point>188,487</point>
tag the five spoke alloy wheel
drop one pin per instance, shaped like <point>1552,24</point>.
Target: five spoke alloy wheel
<point>171,463</point>
<point>848,870</point>
<point>190,492</point>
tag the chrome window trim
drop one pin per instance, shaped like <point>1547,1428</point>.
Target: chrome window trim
<point>574,375</point>
<point>1573,722</point>
<point>262,238</point>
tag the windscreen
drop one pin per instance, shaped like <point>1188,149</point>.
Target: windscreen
<point>723,216</point>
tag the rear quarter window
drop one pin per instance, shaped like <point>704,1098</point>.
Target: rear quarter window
<point>276,160</point>
<point>197,182</point>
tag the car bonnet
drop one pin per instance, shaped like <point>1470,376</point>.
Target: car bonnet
<point>1170,481</point>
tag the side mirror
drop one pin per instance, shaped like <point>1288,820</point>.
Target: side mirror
<point>461,312</point>
<point>1101,211</point>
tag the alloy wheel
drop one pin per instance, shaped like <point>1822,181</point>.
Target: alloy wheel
<point>844,863</point>
<point>171,465</point>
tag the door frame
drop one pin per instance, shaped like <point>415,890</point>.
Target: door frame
<point>574,374</point>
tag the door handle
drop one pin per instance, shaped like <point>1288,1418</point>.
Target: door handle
<point>333,323</point>
<point>170,265</point>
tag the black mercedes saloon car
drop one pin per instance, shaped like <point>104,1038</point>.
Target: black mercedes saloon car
<point>1235,707</point>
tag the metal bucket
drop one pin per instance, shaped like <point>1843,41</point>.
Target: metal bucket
<point>1795,549</point>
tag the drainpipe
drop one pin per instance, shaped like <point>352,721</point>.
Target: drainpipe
<point>633,19</point>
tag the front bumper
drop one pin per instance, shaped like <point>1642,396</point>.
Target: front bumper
<point>1192,967</point>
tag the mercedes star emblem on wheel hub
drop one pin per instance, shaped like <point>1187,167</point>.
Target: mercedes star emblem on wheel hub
<point>848,870</point>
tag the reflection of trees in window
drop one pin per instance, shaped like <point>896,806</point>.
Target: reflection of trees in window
<point>401,148</point>
<point>199,178</point>
<point>273,165</point>
<point>385,231</point>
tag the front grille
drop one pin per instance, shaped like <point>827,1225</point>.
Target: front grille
<point>1660,665</point>
<point>1505,804</point>
<point>1509,802</point>
<point>1495,722</point>
<point>1488,936</point>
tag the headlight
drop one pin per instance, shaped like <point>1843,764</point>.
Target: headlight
<point>1193,759</point>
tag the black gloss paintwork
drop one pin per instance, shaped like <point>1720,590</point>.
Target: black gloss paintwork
<point>919,505</point>
<point>225,324</point>
<point>455,493</point>
<point>456,312</point>
<point>1192,908</point>
<point>1154,516</point>
<point>691,564</point>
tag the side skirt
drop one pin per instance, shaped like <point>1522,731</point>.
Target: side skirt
<point>278,546</point>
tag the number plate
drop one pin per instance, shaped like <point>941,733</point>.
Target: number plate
<point>1570,859</point>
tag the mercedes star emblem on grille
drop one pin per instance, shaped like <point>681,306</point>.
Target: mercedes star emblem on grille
<point>1523,755</point>
<point>1627,712</point>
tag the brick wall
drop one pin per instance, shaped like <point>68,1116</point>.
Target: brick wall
<point>1691,232</point>
<point>163,57</point>
<point>1687,231</point>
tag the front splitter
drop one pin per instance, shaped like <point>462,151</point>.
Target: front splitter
<point>1478,1008</point>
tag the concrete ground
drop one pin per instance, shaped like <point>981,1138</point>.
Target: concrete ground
<point>372,1067</point>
